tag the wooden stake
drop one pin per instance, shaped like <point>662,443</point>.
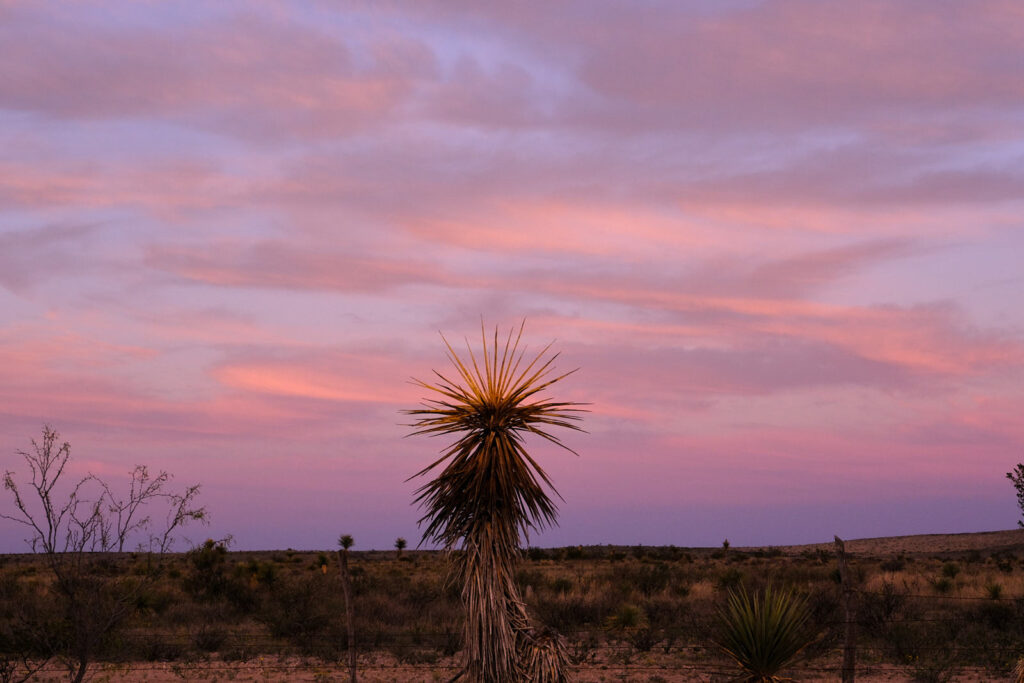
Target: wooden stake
<point>850,639</point>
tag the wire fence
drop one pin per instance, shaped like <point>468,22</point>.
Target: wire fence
<point>414,655</point>
<point>612,651</point>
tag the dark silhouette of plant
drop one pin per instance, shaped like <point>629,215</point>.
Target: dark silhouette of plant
<point>764,632</point>
<point>1017,477</point>
<point>400,544</point>
<point>207,580</point>
<point>490,494</point>
<point>345,542</point>
<point>75,533</point>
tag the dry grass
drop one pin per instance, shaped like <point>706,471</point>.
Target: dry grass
<point>638,614</point>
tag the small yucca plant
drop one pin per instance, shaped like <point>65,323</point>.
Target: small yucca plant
<point>490,494</point>
<point>764,632</point>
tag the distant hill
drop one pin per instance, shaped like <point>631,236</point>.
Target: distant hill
<point>1011,540</point>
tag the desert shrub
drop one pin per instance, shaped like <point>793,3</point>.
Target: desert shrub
<point>995,615</point>
<point>893,564</point>
<point>654,578</point>
<point>421,593</point>
<point>730,578</point>
<point>575,611</point>
<point>926,643</point>
<point>303,610</point>
<point>645,578</point>
<point>207,579</point>
<point>257,573</point>
<point>536,554</point>
<point>154,600</point>
<point>989,636</point>
<point>238,652</point>
<point>160,648</point>
<point>643,639</point>
<point>942,585</point>
<point>530,578</point>
<point>415,656</point>
<point>679,587</point>
<point>823,609</point>
<point>878,608</point>
<point>950,570</point>
<point>666,618</point>
<point>561,585</point>
<point>663,612</point>
<point>994,590</point>
<point>209,637</point>
<point>31,623</point>
<point>626,617</point>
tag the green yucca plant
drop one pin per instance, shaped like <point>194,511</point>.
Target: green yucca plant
<point>764,632</point>
<point>490,494</point>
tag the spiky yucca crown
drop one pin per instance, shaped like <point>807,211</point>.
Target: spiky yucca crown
<point>489,478</point>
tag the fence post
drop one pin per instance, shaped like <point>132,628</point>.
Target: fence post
<point>850,638</point>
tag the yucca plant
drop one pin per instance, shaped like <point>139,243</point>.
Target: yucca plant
<point>764,632</point>
<point>490,494</point>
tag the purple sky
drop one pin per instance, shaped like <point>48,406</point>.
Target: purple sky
<point>783,242</point>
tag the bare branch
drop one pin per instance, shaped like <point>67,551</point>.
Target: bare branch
<point>73,531</point>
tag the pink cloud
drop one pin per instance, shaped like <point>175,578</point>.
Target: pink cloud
<point>365,377</point>
<point>167,188</point>
<point>289,80</point>
<point>31,256</point>
<point>737,307</point>
<point>279,264</point>
<point>781,62</point>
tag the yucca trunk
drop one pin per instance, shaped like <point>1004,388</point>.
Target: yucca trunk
<point>495,615</point>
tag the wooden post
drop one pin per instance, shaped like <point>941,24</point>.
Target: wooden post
<point>346,586</point>
<point>850,638</point>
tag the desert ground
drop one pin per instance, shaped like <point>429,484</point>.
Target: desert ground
<point>933,608</point>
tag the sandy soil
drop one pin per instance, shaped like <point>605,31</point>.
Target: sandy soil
<point>295,670</point>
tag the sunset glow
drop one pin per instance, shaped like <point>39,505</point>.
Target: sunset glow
<point>783,242</point>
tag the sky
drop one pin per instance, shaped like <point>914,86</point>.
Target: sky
<point>782,242</point>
